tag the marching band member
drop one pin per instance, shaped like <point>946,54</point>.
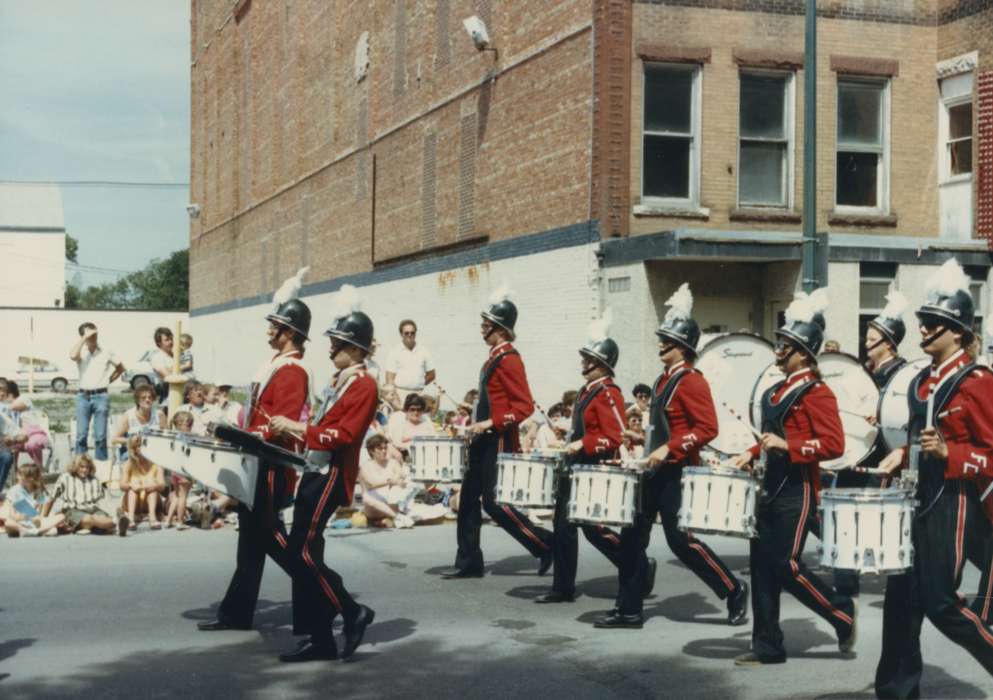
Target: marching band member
<point>597,431</point>
<point>950,456</point>
<point>800,428</point>
<point>504,403</point>
<point>281,387</point>
<point>683,420</point>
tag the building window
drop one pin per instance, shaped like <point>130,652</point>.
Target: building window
<point>765,140</point>
<point>671,145</point>
<point>618,284</point>
<point>874,284</point>
<point>955,126</point>
<point>863,145</point>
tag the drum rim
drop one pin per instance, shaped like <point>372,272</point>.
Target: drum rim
<point>435,438</point>
<point>741,334</point>
<point>882,393</point>
<point>723,471</point>
<point>860,494</point>
<point>525,457</point>
<point>607,468</point>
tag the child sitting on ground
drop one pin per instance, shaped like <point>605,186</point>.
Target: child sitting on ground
<point>24,503</point>
<point>81,492</point>
<point>142,483</point>
<point>183,423</point>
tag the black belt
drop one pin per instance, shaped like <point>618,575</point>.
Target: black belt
<point>91,392</point>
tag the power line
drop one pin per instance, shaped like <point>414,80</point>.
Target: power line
<point>146,184</point>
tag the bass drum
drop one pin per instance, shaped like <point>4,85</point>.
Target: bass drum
<point>893,412</point>
<point>731,363</point>
<point>857,397</point>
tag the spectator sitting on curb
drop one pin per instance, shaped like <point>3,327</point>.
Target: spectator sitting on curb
<point>633,443</point>
<point>31,436</point>
<point>142,483</point>
<point>642,397</point>
<point>80,493</point>
<point>200,411</point>
<point>136,419</point>
<point>24,503</point>
<point>387,492</point>
<point>183,422</point>
<point>98,368</point>
<point>404,426</point>
<point>552,436</point>
<point>230,410</point>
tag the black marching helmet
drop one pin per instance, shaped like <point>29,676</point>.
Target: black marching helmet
<point>889,323</point>
<point>806,322</point>
<point>685,332</point>
<point>948,301</point>
<point>355,328</point>
<point>503,313</point>
<point>808,336</point>
<point>292,314</point>
<point>604,351</point>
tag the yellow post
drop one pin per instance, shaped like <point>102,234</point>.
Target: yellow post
<point>176,380</point>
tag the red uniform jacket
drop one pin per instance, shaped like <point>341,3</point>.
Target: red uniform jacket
<point>966,424</point>
<point>343,428</point>
<point>813,427</point>
<point>603,424</point>
<point>285,394</point>
<point>690,414</point>
<point>510,396</point>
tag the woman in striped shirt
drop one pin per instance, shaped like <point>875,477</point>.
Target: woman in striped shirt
<point>80,492</point>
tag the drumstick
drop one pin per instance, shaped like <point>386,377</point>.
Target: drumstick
<point>754,432</point>
<point>446,395</point>
<point>950,411</point>
<point>852,413</point>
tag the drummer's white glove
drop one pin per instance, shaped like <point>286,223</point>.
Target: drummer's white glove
<point>774,442</point>
<point>658,456</point>
<point>742,461</point>
<point>891,462</point>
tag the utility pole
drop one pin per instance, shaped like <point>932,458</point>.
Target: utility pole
<point>809,271</point>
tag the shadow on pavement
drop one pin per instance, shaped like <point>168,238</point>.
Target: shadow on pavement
<point>12,646</point>
<point>935,683</point>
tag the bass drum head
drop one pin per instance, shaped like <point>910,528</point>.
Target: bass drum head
<point>730,363</point>
<point>893,412</point>
<point>858,399</point>
<point>767,378</point>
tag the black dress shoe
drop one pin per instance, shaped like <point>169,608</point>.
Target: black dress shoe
<point>616,620</point>
<point>545,562</point>
<point>461,573</point>
<point>220,625</point>
<point>751,659</point>
<point>650,577</point>
<point>310,650</point>
<point>355,629</point>
<point>738,605</point>
<point>555,597</point>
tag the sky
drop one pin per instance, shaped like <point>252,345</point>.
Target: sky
<point>99,90</point>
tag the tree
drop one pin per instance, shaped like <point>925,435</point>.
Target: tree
<point>72,248</point>
<point>163,285</point>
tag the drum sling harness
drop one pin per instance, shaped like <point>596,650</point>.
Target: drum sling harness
<point>778,467</point>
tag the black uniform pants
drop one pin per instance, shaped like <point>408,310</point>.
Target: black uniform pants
<point>566,541</point>
<point>660,497</point>
<point>776,564</point>
<point>260,532</point>
<point>981,555</point>
<point>479,484</point>
<point>942,536</point>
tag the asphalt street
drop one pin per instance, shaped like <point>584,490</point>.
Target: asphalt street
<point>101,617</point>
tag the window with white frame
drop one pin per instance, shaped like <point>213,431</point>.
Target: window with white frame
<point>765,140</point>
<point>671,139</point>
<point>862,167</point>
<point>955,126</point>
<point>875,280</point>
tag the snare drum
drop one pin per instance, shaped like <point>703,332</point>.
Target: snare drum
<point>867,530</point>
<point>165,448</point>
<point>437,459</point>
<point>601,494</point>
<point>527,481</point>
<point>222,467</point>
<point>718,501</point>
<point>894,412</point>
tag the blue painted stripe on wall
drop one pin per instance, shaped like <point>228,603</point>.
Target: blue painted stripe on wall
<point>565,237</point>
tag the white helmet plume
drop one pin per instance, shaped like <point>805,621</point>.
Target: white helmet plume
<point>346,300</point>
<point>600,328</point>
<point>501,293</point>
<point>805,306</point>
<point>947,279</point>
<point>290,289</point>
<point>896,304</point>
<point>988,330</point>
<point>680,303</point>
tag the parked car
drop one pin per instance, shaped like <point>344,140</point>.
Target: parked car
<point>140,372</point>
<point>47,375</point>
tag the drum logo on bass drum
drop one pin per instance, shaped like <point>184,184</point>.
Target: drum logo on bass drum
<point>728,352</point>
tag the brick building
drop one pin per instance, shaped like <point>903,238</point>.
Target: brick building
<point>602,152</point>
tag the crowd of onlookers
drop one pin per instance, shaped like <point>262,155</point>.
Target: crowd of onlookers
<point>118,488</point>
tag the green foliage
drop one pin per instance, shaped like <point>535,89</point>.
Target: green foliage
<point>72,248</point>
<point>163,285</point>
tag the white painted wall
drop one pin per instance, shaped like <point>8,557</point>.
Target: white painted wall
<point>34,270</point>
<point>128,333</point>
<point>552,290</point>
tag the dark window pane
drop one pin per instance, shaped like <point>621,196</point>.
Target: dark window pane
<point>762,101</point>
<point>668,96</point>
<point>859,108</point>
<point>761,173</point>
<point>872,295</point>
<point>856,179</point>
<point>667,167</point>
<point>960,121</point>
<point>960,157</point>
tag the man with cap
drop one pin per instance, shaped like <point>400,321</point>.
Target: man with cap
<point>682,421</point>
<point>504,402</point>
<point>949,457</point>
<point>334,444</point>
<point>596,434</point>
<point>800,428</point>
<point>281,387</point>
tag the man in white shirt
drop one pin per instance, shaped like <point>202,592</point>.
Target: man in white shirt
<point>409,367</point>
<point>98,367</point>
<point>162,361</point>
